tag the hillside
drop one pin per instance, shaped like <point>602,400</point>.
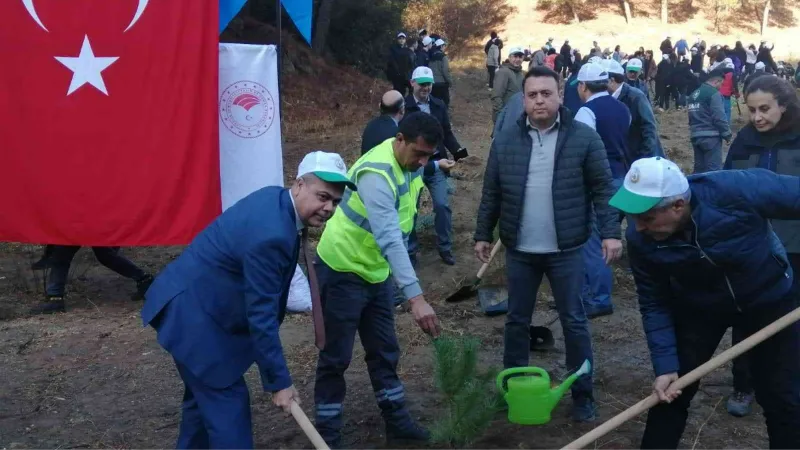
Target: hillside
<point>608,28</point>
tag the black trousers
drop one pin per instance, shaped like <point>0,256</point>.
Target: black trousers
<point>774,367</point>
<point>491,70</point>
<point>742,380</point>
<point>442,92</point>
<point>61,259</point>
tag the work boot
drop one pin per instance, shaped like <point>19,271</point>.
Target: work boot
<point>740,404</point>
<point>405,433</point>
<point>448,258</point>
<point>142,285</point>
<point>584,410</point>
<point>54,304</point>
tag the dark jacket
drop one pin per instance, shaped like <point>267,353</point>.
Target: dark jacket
<point>726,260</point>
<point>753,76</point>
<point>697,63</point>
<point>765,56</point>
<point>643,139</point>
<point>423,58</point>
<point>778,152</point>
<point>218,306</point>
<point>397,64</point>
<point>571,98</point>
<point>664,73</point>
<point>581,179</point>
<point>377,130</point>
<point>438,110</point>
<point>440,66</point>
<point>706,114</point>
<point>666,46</point>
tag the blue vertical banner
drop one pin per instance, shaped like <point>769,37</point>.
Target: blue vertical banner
<point>300,11</point>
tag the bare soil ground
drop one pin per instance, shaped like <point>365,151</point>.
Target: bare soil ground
<point>93,377</point>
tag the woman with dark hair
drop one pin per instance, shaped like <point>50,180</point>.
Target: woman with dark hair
<point>770,141</point>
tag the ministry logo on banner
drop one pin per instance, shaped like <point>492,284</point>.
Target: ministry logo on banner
<point>249,120</point>
<point>247,109</point>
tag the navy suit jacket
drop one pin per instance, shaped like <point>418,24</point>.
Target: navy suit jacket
<point>377,130</point>
<point>218,306</point>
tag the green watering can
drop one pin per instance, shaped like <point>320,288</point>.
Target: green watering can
<point>530,398</point>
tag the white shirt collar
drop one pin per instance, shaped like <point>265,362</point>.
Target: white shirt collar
<point>619,90</point>
<point>597,95</point>
<point>299,222</point>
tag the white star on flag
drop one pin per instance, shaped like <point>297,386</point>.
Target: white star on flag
<point>86,68</point>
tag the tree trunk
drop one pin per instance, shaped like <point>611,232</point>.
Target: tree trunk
<point>626,6</point>
<point>664,5</point>
<point>323,24</point>
<point>574,12</point>
<point>765,17</point>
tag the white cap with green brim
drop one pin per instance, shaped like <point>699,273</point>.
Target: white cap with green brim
<point>634,65</point>
<point>326,166</point>
<point>649,181</point>
<point>422,74</point>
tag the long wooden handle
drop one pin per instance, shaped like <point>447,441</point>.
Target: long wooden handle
<point>491,256</point>
<point>308,428</point>
<point>687,379</point>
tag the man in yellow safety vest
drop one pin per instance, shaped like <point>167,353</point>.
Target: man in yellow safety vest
<point>362,245</point>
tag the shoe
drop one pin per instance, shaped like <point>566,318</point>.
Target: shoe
<point>142,286</point>
<point>584,410</point>
<point>406,433</point>
<point>592,312</point>
<point>40,264</point>
<point>447,257</point>
<point>740,404</point>
<point>54,304</point>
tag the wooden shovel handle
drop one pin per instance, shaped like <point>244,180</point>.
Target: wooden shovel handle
<point>308,428</point>
<point>712,364</point>
<point>491,256</point>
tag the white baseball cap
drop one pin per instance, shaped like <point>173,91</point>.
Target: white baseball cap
<point>401,35</point>
<point>594,60</point>
<point>439,43</point>
<point>634,65</point>
<point>592,72</point>
<point>326,166</point>
<point>515,50</point>
<point>760,65</point>
<point>648,181</point>
<point>614,67</point>
<point>426,41</point>
<point>422,74</point>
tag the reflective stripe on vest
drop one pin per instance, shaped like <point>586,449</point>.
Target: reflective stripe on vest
<point>347,244</point>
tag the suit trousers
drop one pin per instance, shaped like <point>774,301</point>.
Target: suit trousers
<point>351,305</point>
<point>214,418</point>
<point>61,259</point>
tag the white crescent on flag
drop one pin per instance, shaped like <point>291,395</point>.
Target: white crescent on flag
<point>31,8</point>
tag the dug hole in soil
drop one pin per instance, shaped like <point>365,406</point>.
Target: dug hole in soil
<point>93,377</point>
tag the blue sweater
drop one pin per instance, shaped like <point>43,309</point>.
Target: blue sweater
<point>613,124</point>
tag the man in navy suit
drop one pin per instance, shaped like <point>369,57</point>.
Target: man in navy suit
<point>217,308</point>
<point>384,127</point>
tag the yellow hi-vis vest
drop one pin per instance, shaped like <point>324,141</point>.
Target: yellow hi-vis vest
<point>347,244</point>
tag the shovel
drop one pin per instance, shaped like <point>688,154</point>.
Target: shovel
<point>465,292</point>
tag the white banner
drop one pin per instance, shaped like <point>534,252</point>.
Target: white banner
<point>249,121</point>
<point>250,155</point>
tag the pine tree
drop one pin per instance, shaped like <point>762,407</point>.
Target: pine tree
<point>471,399</point>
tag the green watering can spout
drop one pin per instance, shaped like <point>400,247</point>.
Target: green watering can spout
<point>558,391</point>
<point>529,396</point>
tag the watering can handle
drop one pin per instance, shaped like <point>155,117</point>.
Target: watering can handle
<point>501,377</point>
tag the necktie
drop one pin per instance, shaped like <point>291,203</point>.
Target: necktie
<point>316,302</point>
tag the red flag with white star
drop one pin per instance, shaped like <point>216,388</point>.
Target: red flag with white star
<point>109,121</point>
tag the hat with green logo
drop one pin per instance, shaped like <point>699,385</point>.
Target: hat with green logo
<point>649,181</point>
<point>326,166</point>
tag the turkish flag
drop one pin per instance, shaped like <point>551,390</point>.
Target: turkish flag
<point>108,121</point>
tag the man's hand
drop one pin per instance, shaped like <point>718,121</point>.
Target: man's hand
<point>283,398</point>
<point>446,164</point>
<point>483,251</point>
<point>661,386</point>
<point>612,250</point>
<point>424,315</point>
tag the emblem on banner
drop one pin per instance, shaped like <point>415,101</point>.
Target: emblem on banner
<point>247,109</point>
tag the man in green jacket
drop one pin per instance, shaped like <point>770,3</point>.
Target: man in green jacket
<point>507,81</point>
<point>708,123</point>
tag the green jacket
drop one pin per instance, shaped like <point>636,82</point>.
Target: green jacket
<point>507,82</point>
